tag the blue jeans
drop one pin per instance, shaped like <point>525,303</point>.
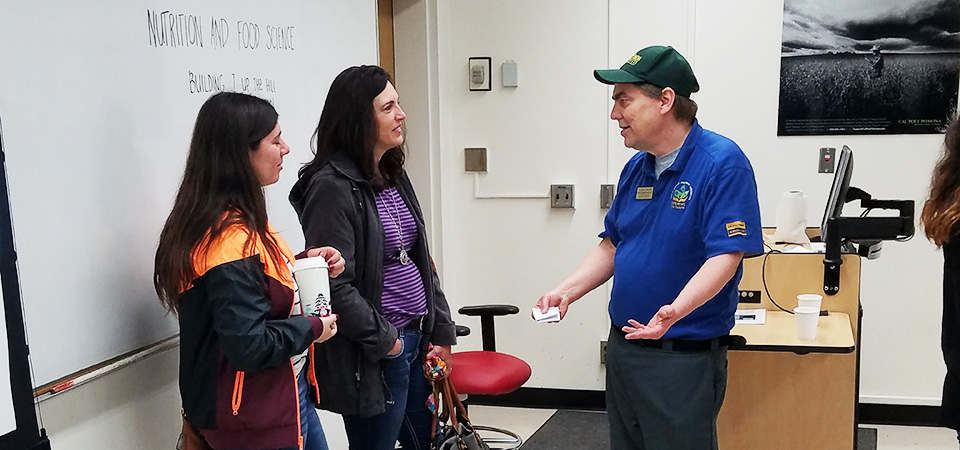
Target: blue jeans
<point>310,429</point>
<point>407,418</point>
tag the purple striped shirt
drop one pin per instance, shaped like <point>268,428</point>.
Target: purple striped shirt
<point>403,297</point>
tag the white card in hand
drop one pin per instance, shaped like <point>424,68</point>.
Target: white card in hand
<point>552,315</point>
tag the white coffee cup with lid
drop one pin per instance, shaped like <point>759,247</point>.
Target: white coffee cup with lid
<point>313,285</point>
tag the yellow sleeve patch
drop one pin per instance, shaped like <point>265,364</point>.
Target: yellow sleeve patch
<point>737,228</point>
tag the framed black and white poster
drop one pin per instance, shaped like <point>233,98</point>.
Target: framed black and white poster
<point>868,66</point>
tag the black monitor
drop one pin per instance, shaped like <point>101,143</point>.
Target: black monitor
<point>867,232</point>
<point>838,191</point>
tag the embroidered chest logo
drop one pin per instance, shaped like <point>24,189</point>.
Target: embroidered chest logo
<point>737,228</point>
<point>682,193</point>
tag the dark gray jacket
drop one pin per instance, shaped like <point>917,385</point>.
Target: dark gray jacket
<point>337,208</point>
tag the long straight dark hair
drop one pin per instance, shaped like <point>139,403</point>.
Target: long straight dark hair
<point>220,188</point>
<point>941,211</point>
<point>348,125</point>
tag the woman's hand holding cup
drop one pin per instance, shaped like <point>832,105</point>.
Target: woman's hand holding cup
<point>329,328</point>
<point>332,256</point>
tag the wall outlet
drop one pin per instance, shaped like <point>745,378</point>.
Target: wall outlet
<point>561,196</point>
<point>749,296</point>
<point>603,352</point>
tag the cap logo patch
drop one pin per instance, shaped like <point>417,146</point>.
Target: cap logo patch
<point>682,193</point>
<point>634,60</point>
<point>737,228</point>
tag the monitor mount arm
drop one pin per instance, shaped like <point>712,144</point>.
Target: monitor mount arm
<point>863,228</point>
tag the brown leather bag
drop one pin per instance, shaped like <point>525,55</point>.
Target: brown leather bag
<point>191,439</point>
<point>456,431</point>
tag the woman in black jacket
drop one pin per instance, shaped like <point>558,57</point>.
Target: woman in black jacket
<point>355,196</point>
<point>222,269</point>
<point>941,222</point>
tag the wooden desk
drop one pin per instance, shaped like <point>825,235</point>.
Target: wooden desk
<point>786,394</point>
<point>778,334</point>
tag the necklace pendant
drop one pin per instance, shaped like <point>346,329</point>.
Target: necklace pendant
<point>404,258</point>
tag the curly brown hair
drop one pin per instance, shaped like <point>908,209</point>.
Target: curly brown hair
<point>941,211</point>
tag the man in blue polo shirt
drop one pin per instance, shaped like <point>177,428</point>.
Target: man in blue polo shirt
<point>685,213</point>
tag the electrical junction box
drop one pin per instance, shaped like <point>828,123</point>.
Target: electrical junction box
<point>475,159</point>
<point>508,73</point>
<point>606,195</point>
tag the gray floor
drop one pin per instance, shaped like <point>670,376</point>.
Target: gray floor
<point>568,429</point>
<point>526,422</point>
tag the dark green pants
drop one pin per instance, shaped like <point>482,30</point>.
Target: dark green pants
<point>663,400</point>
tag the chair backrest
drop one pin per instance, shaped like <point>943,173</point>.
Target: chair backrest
<point>487,313</point>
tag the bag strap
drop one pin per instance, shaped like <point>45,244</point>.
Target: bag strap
<point>451,400</point>
<point>438,406</point>
<point>460,406</point>
<point>449,406</point>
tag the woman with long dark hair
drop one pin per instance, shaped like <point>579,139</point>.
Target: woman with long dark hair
<point>940,218</point>
<point>222,269</point>
<point>355,195</point>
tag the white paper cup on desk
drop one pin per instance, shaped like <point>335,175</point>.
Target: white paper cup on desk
<point>811,300</point>
<point>313,285</point>
<point>806,318</point>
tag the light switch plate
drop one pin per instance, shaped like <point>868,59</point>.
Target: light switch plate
<point>561,196</point>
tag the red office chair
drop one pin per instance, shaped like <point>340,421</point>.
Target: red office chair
<point>489,372</point>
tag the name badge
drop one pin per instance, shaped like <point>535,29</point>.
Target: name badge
<point>645,193</point>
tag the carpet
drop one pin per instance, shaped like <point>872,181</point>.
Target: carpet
<point>569,429</point>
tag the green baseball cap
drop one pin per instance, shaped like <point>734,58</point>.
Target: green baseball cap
<point>658,65</point>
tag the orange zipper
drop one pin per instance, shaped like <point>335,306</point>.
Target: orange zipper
<point>311,374</point>
<point>296,391</point>
<point>237,392</point>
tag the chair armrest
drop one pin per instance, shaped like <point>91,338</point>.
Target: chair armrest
<point>489,310</point>
<point>463,330</point>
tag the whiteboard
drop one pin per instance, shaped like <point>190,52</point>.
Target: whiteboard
<point>98,101</point>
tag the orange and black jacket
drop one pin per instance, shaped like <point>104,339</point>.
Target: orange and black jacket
<point>237,337</point>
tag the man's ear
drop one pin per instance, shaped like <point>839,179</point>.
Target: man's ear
<point>667,97</point>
